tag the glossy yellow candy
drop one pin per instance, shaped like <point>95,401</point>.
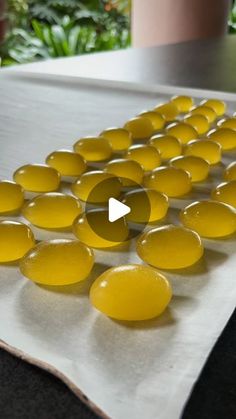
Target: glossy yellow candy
<point>199,122</point>
<point>207,149</point>
<point>184,132</point>
<point>131,292</point>
<point>119,138</point>
<point>157,120</point>
<point>146,155</point>
<point>209,218</point>
<point>140,127</point>
<point>67,163</point>
<point>197,167</point>
<point>206,111</point>
<point>93,148</point>
<point>168,110</point>
<point>227,123</point>
<point>58,262</point>
<point>226,137</point>
<point>11,197</point>
<point>130,171</point>
<point>107,185</point>
<point>230,171</point>
<point>170,247</point>
<point>218,106</point>
<point>172,181</point>
<point>167,145</point>
<point>95,229</point>
<point>15,240</point>
<point>37,178</point>
<point>52,210</point>
<point>225,192</point>
<point>158,205</point>
<point>183,103</point>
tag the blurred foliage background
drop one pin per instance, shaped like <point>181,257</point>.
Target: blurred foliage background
<point>39,29</point>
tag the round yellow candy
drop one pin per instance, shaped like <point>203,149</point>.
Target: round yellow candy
<point>217,105</point>
<point>184,132</point>
<point>197,167</point>
<point>140,127</point>
<point>94,229</point>
<point>105,184</point>
<point>170,247</point>
<point>11,197</point>
<point>225,192</point>
<point>37,178</point>
<point>119,138</point>
<point>131,292</point>
<point>183,103</point>
<point>168,110</point>
<point>15,240</point>
<point>209,218</point>
<point>129,171</point>
<point>198,122</point>
<point>67,163</point>
<point>93,148</point>
<point>206,149</point>
<point>230,171</point>
<point>157,120</point>
<point>158,205</point>
<point>52,210</point>
<point>146,155</point>
<point>172,181</point>
<point>206,111</point>
<point>227,123</point>
<point>167,145</point>
<point>226,137</point>
<point>58,262</point>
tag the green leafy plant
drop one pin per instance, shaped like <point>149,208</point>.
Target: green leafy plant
<point>232,19</point>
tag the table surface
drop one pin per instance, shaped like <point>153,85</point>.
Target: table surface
<point>26,391</point>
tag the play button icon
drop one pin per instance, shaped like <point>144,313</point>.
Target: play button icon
<point>116,210</point>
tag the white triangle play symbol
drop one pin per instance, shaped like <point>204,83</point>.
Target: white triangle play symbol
<point>117,210</point>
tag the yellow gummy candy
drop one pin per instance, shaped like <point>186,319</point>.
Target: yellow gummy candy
<point>172,181</point>
<point>37,178</point>
<point>140,127</point>
<point>230,171</point>
<point>15,240</point>
<point>158,205</point>
<point>183,103</point>
<point>157,120</point>
<point>183,131</point>
<point>129,171</point>
<point>218,106</point>
<point>168,110</point>
<point>226,137</point>
<point>199,122</point>
<point>167,145</point>
<point>225,192</point>
<point>11,197</point>
<point>105,184</point>
<point>227,123</point>
<point>93,148</point>
<point>197,167</point>
<point>147,156</point>
<point>67,163</point>
<point>119,138</point>
<point>206,111</point>
<point>206,149</point>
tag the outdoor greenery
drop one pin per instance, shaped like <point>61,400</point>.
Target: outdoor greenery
<point>232,19</point>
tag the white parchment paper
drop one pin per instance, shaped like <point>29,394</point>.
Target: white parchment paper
<point>131,371</point>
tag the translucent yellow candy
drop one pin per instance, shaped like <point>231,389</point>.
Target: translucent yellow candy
<point>140,127</point>
<point>227,123</point>
<point>206,111</point>
<point>95,229</point>
<point>158,205</point>
<point>167,145</point>
<point>93,148</point>
<point>52,210</point>
<point>11,197</point>
<point>226,137</point>
<point>197,167</point>
<point>158,121</point>
<point>131,292</point>
<point>207,149</point>
<point>119,138</point>
<point>106,185</point>
<point>209,218</point>
<point>168,110</point>
<point>230,171</point>
<point>172,181</point>
<point>225,192</point>
<point>15,240</point>
<point>183,131</point>
<point>67,163</point>
<point>37,178</point>
<point>218,106</point>
<point>199,122</point>
<point>58,262</point>
<point>146,155</point>
<point>183,103</point>
<point>130,171</point>
<point>170,247</point>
